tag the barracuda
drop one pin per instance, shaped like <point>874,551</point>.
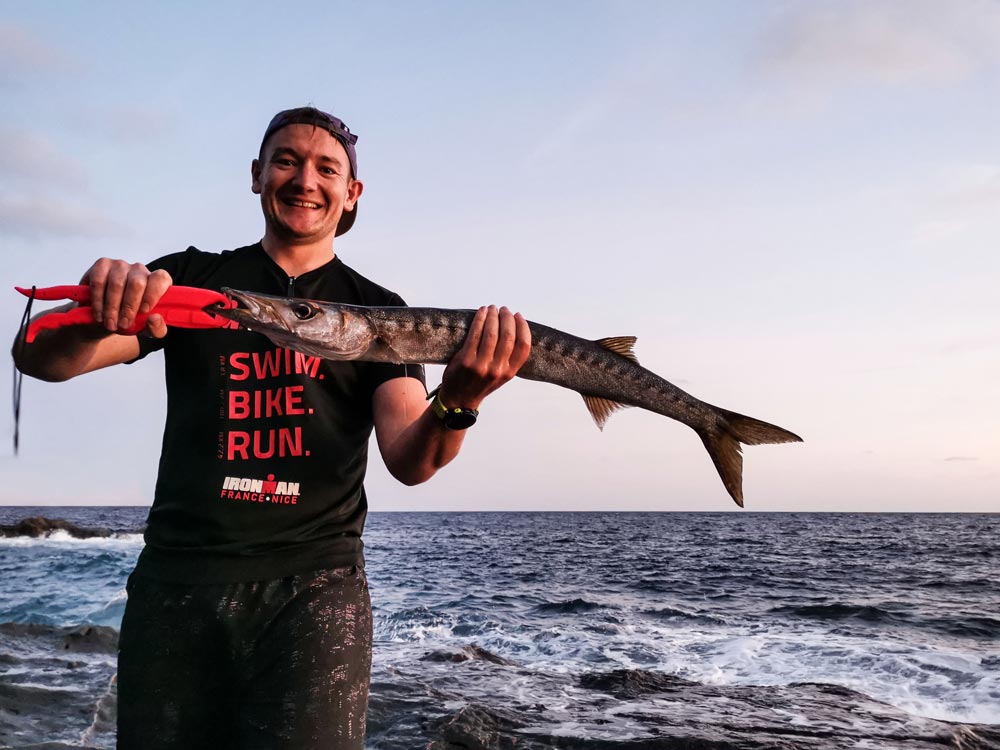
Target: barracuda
<point>605,372</point>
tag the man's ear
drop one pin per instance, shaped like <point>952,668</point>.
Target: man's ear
<point>354,191</point>
<point>255,170</point>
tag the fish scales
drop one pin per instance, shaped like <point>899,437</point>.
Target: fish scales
<point>556,357</point>
<point>605,372</point>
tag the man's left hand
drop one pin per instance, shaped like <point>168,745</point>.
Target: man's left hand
<point>497,345</point>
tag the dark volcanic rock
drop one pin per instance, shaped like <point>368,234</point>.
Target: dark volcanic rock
<point>82,639</point>
<point>57,686</point>
<point>632,683</point>
<point>470,652</point>
<point>39,526</point>
<point>638,710</point>
<point>477,727</point>
<point>91,639</point>
<point>37,711</point>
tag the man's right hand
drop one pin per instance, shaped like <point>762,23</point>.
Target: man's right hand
<point>119,291</point>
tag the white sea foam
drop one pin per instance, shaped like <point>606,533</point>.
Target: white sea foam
<point>112,611</point>
<point>61,539</point>
<point>908,676</point>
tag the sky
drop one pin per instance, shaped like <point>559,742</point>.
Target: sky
<point>795,207</point>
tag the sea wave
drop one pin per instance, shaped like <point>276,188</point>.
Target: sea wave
<point>116,540</point>
<point>473,632</point>
<point>571,607</point>
<point>964,624</point>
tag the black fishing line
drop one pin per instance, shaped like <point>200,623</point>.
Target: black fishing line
<point>18,375</point>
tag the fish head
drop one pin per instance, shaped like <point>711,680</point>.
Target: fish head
<point>322,329</point>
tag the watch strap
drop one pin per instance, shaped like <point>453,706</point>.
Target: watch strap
<point>453,417</point>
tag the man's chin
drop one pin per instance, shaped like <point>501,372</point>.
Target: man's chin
<point>299,232</point>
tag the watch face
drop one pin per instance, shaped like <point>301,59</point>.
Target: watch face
<point>459,420</point>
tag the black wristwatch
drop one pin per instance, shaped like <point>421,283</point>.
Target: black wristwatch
<point>454,417</point>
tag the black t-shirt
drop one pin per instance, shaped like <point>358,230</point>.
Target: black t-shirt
<point>264,449</point>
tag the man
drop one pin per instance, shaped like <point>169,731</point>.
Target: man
<point>248,622</point>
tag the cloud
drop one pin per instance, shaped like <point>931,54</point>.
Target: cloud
<point>32,158</point>
<point>129,124</point>
<point>42,217</point>
<point>962,458</point>
<point>973,184</point>
<point>887,41</point>
<point>33,169</point>
<point>22,55</point>
<point>973,345</point>
<point>965,198</point>
<point>641,82</point>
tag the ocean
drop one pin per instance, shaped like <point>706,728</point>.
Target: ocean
<point>583,630</point>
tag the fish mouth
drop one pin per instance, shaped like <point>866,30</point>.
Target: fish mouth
<point>251,310</point>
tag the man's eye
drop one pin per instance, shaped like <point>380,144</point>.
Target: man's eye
<point>303,311</point>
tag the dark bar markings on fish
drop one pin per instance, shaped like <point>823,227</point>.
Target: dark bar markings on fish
<point>605,372</point>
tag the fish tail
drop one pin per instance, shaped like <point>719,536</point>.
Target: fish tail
<point>722,442</point>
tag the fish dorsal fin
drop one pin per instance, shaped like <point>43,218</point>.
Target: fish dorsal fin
<point>620,345</point>
<point>601,408</point>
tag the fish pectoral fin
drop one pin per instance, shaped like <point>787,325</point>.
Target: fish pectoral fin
<point>601,408</point>
<point>387,353</point>
<point>620,345</point>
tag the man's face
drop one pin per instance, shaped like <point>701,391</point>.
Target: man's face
<point>304,182</point>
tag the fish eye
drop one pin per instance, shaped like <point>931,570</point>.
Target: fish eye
<point>303,310</point>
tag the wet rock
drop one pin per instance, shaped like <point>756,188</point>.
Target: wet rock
<point>91,639</point>
<point>105,720</point>
<point>471,652</point>
<point>55,746</point>
<point>56,681</point>
<point>477,726</point>
<point>40,526</point>
<point>38,711</point>
<point>81,639</point>
<point>638,710</point>
<point>632,683</point>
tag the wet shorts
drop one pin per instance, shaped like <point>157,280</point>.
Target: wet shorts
<point>269,664</point>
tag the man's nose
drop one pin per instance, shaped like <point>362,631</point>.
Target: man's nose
<point>306,176</point>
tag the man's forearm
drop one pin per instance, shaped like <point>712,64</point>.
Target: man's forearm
<point>119,291</point>
<point>60,354</point>
<point>422,448</point>
<point>497,345</point>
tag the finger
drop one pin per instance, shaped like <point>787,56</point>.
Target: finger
<point>505,339</point>
<point>475,333</point>
<point>156,327</point>
<point>491,332</point>
<point>95,278</point>
<point>157,283</point>
<point>114,290</point>
<point>522,343</point>
<point>135,289</point>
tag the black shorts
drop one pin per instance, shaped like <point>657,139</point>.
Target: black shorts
<point>268,664</point>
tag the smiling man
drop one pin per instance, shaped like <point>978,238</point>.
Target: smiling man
<point>248,622</point>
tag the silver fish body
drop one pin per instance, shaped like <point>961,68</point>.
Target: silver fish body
<point>605,372</point>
